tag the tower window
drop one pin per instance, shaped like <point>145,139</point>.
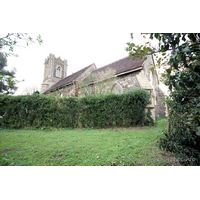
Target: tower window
<point>58,72</point>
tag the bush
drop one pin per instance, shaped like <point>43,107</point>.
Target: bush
<point>183,138</point>
<point>127,109</point>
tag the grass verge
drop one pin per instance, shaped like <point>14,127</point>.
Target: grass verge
<point>84,147</point>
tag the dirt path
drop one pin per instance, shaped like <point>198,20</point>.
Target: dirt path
<point>3,152</point>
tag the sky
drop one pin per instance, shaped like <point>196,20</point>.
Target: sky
<point>79,49</point>
<point>82,32</point>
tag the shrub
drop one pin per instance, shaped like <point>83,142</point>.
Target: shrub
<point>127,109</point>
<point>183,139</point>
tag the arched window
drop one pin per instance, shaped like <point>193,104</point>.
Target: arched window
<point>117,89</point>
<point>58,72</point>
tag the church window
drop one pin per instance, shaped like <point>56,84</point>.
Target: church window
<point>58,72</point>
<point>116,89</point>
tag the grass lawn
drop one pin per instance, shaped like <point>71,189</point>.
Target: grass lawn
<point>84,147</point>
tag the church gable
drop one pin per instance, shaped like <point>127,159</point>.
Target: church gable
<point>122,66</point>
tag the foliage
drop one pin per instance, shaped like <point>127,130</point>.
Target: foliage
<point>183,78</point>
<point>148,120</point>
<point>86,147</point>
<point>185,57</point>
<point>125,109</point>
<point>183,139</point>
<point>15,39</point>
<point>7,78</point>
<point>9,41</point>
<point>35,110</point>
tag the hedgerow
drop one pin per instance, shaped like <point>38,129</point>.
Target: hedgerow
<point>127,109</point>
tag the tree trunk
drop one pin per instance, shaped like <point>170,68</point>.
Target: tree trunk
<point>168,120</point>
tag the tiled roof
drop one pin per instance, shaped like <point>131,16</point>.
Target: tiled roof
<point>67,80</point>
<point>120,66</point>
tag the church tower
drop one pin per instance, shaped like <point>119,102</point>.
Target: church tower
<point>55,69</point>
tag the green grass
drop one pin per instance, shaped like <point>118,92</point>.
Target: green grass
<point>82,147</point>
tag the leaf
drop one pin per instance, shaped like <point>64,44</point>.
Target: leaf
<point>186,49</point>
<point>151,36</point>
<point>156,35</point>
<point>131,35</point>
<point>190,119</point>
<point>169,70</point>
<point>198,131</point>
<point>191,79</point>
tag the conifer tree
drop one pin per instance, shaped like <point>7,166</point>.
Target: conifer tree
<point>7,85</point>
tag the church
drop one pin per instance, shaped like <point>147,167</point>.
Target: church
<point>116,77</point>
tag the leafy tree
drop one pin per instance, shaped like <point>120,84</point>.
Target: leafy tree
<point>7,83</point>
<point>7,44</point>
<point>181,52</point>
<point>10,40</point>
<point>184,50</point>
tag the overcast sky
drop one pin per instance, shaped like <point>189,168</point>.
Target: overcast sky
<point>80,50</point>
<point>82,32</point>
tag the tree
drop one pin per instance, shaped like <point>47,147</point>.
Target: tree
<point>30,90</point>
<point>184,50</point>
<point>7,83</point>
<point>181,52</point>
<point>7,43</point>
<point>10,40</point>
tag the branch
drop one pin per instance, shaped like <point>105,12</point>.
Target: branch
<point>151,53</point>
<point>9,34</point>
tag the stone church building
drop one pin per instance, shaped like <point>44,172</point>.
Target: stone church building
<point>119,76</point>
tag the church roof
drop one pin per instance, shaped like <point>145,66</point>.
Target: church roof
<point>67,80</point>
<point>121,66</point>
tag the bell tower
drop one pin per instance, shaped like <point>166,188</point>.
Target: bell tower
<point>55,69</point>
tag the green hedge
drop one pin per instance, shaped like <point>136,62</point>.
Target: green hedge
<point>127,109</point>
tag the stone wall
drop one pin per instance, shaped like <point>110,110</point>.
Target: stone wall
<point>128,81</point>
<point>68,91</point>
<point>125,82</point>
<point>160,106</point>
<point>50,66</point>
